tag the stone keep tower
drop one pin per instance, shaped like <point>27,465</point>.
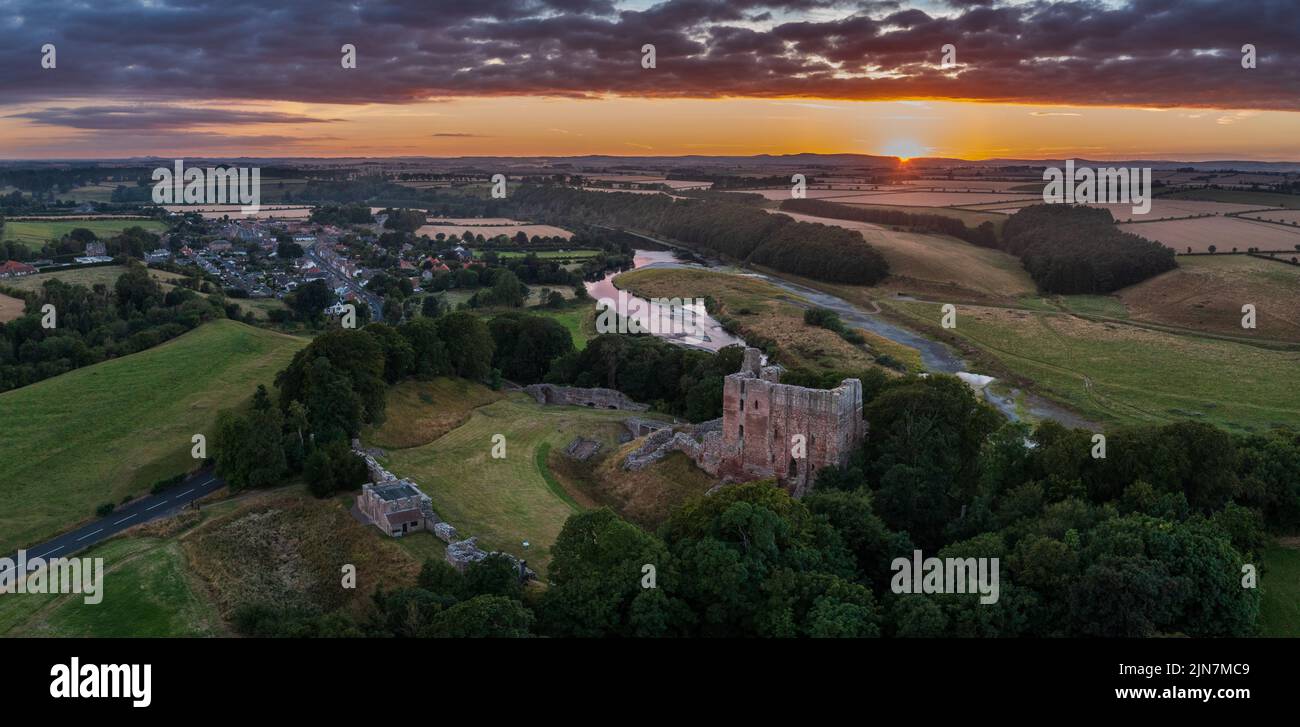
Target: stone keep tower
<point>760,418</point>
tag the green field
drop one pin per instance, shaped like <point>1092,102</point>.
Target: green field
<point>579,320</point>
<point>106,431</point>
<point>1279,586</point>
<point>147,592</point>
<point>106,274</point>
<point>550,254</point>
<point>1117,373</point>
<point>35,234</point>
<point>510,500</point>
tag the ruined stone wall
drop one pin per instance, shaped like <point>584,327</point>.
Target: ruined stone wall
<point>595,398</point>
<point>760,418</point>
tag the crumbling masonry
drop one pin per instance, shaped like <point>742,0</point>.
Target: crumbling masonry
<point>768,430</point>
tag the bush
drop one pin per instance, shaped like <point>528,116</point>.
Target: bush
<point>166,482</point>
<point>105,510</point>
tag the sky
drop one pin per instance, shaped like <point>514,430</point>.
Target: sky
<point>1151,79</point>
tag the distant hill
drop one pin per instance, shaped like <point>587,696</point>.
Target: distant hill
<point>106,431</point>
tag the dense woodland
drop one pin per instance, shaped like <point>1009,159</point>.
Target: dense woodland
<point>1150,540</point>
<point>1076,249</point>
<point>738,231</point>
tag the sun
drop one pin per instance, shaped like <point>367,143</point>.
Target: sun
<point>904,149</point>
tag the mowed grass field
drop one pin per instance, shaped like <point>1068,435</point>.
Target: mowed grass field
<point>106,431</point>
<point>35,234</point>
<point>1119,373</point>
<point>509,500</point>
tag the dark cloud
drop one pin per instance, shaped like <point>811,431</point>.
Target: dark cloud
<point>155,117</point>
<point>1146,52</point>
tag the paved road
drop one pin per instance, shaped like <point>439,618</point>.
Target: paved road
<point>375,302</point>
<point>143,510</point>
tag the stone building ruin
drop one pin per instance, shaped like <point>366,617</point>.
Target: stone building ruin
<point>762,419</point>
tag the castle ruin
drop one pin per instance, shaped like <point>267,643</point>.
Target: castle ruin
<point>768,430</point>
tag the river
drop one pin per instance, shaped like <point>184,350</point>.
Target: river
<point>935,356</point>
<point>689,325</point>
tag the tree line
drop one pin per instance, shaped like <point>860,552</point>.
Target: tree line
<point>738,231</point>
<point>982,235</point>
<point>1076,249</point>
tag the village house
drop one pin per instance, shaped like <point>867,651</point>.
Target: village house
<point>15,269</point>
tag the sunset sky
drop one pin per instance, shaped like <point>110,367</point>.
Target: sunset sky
<point>1147,79</point>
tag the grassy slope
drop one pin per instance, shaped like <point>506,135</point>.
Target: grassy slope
<point>106,274</point>
<point>503,501</point>
<point>419,412</point>
<point>1207,292</point>
<point>35,234</point>
<point>935,264</point>
<point>100,433</point>
<point>1120,373</point>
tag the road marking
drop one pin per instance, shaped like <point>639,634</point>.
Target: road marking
<point>183,494</point>
<point>42,555</point>
<point>128,517</point>
<point>87,535</point>
<point>156,504</point>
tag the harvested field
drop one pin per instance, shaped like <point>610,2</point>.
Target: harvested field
<point>10,308</point>
<point>1288,217</point>
<point>1162,208</point>
<point>1225,233</point>
<point>916,260</point>
<point>938,199</point>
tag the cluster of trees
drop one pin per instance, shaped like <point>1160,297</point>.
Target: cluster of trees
<point>95,324</point>
<point>676,380</point>
<point>341,215</point>
<point>338,384</point>
<point>133,242</point>
<point>738,231</point>
<point>830,320</point>
<point>983,235</point>
<point>1151,539</point>
<point>1075,249</point>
